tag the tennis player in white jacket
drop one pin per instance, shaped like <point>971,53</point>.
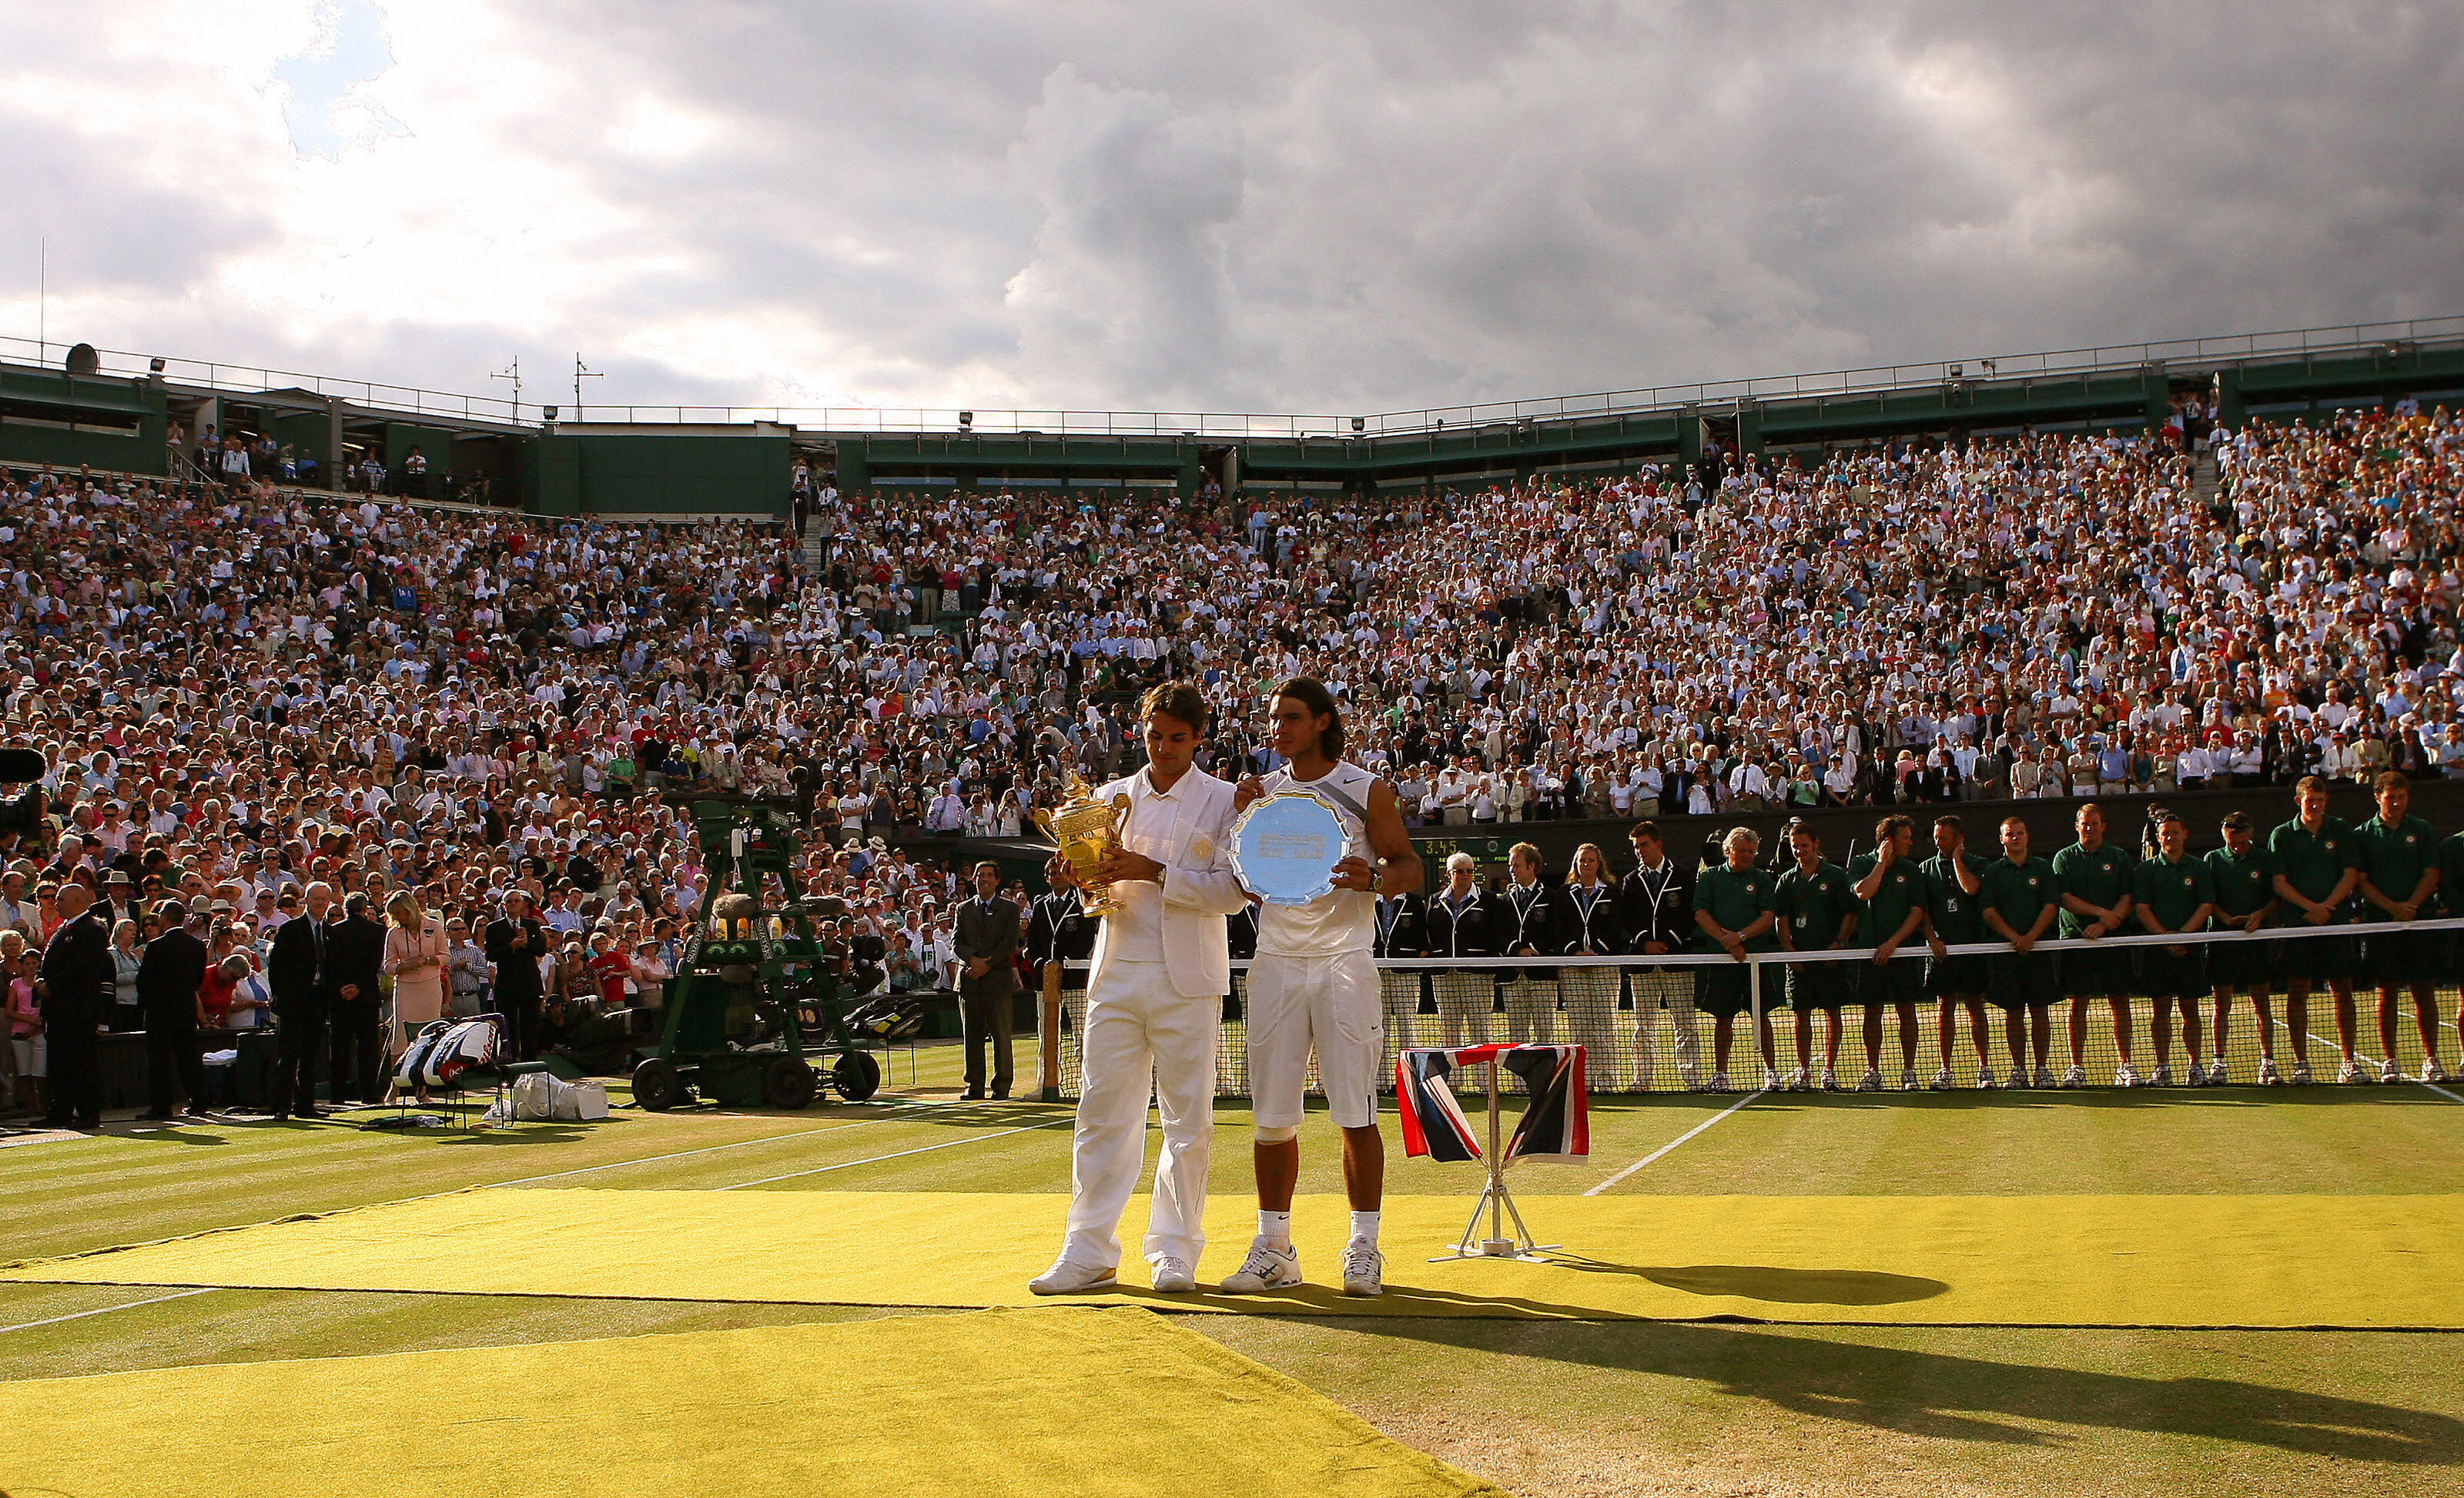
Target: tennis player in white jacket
<point>1154,1010</point>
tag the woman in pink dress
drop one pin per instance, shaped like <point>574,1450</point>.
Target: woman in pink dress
<point>414,957</point>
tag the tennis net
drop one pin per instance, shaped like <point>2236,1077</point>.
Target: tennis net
<point>2358,1002</point>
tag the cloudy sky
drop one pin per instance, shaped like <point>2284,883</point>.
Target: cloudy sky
<point>1264,205</point>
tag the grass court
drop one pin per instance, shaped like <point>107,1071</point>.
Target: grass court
<point>1538,1407</point>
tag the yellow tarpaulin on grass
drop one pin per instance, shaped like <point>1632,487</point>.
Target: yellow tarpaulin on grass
<point>1038,1403</point>
<point>2280,1260</point>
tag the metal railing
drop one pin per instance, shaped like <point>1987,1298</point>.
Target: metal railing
<point>1713,398</point>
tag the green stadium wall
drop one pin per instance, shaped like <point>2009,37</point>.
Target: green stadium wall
<point>112,424</point>
<point>639,473</point>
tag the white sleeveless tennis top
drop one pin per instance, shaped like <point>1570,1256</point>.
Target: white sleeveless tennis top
<point>1341,921</point>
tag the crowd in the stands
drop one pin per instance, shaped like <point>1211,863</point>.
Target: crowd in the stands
<point>244,689</point>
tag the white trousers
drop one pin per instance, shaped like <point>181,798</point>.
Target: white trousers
<point>1463,997</point>
<point>1531,1011</point>
<point>1142,1042</point>
<point>1590,996</point>
<point>1672,986</point>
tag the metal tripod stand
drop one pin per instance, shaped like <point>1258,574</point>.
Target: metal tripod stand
<point>1499,1203</point>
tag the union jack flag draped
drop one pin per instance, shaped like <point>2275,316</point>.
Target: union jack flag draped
<point>1555,1125</point>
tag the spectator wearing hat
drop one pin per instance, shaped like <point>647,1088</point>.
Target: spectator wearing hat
<point>170,984</point>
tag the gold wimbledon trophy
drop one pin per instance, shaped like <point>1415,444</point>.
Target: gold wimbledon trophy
<point>1086,831</point>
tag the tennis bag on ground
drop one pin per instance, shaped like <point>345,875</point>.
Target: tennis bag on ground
<point>446,1049</point>
<point>540,1099</point>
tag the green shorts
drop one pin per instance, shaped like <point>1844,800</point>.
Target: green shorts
<point>1961,977</point>
<point>1721,990</point>
<point>2236,962</point>
<point>2021,980</point>
<point>2094,972</point>
<point>1817,985</point>
<point>2402,958</point>
<point>2164,976</point>
<point>1900,981</point>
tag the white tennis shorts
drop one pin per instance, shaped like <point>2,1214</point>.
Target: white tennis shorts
<point>1328,1005</point>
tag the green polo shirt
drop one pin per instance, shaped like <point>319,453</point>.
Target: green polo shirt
<point>1957,914</point>
<point>2243,883</point>
<point>1904,888</point>
<point>2311,862</point>
<point>2394,858</point>
<point>2451,875</point>
<point>1734,899</point>
<point>1815,904</point>
<point>2017,891</point>
<point>2101,878</point>
<point>2175,891</point>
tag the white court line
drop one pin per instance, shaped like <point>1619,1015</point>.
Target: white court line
<point>952,1144</point>
<point>101,1310</point>
<point>1674,1143</point>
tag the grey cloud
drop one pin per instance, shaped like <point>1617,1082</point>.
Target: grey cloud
<point>1394,203</point>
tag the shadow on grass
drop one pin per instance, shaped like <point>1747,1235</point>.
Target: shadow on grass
<point>1771,1282</point>
<point>1955,1397</point>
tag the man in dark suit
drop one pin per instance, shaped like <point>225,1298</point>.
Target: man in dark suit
<point>353,959</point>
<point>514,945</point>
<point>1462,921</point>
<point>297,970</point>
<point>986,941</point>
<point>1528,927</point>
<point>1402,932</point>
<point>167,979</point>
<point>75,980</point>
<point>1655,906</point>
<point>1058,927</point>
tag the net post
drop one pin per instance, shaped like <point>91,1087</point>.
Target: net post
<point>1754,1002</point>
<point>1048,1033</point>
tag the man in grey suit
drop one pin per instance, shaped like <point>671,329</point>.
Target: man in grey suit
<point>986,944</point>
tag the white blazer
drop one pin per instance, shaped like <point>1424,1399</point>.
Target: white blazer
<point>1198,886</point>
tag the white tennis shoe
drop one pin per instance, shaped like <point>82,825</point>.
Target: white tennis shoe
<point>2390,1071</point>
<point>1870,1082</point>
<point>1267,1267</point>
<point>2045,1078</point>
<point>2075,1076</point>
<point>2219,1074</point>
<point>1065,1278</point>
<point>1983,1078</point>
<point>2161,1076</point>
<point>1942,1080</point>
<point>1364,1268</point>
<point>1172,1275</point>
<point>2432,1071</point>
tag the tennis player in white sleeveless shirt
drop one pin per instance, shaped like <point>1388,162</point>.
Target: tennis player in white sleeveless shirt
<point>1314,988</point>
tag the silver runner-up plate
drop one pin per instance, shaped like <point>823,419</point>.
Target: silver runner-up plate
<point>1286,845</point>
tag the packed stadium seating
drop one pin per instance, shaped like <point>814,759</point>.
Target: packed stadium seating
<point>243,686</point>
